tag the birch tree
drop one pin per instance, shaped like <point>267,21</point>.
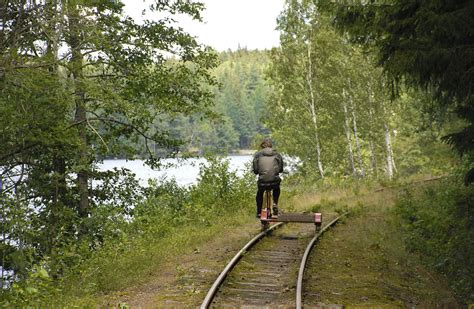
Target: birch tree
<point>298,25</point>
<point>322,113</point>
<point>348,133</point>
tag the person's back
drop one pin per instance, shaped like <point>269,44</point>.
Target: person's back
<point>267,164</point>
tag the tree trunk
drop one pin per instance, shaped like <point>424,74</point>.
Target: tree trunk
<point>388,144</point>
<point>356,136</point>
<point>312,108</point>
<point>318,146</point>
<point>393,157</point>
<point>80,117</point>
<point>373,155</point>
<point>348,134</point>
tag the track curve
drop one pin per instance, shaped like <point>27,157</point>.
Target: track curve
<point>268,275</point>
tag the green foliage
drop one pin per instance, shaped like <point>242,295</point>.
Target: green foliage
<point>133,236</point>
<point>424,45</point>
<point>39,288</point>
<point>439,222</point>
<point>219,187</point>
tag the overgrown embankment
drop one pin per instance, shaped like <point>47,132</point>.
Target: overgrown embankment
<point>170,221</point>
<point>439,223</point>
<point>364,262</point>
<point>178,236</point>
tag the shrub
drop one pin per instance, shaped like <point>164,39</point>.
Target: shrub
<point>128,236</point>
<point>37,289</point>
<point>440,226</point>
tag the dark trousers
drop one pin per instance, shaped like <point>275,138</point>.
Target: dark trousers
<point>261,189</point>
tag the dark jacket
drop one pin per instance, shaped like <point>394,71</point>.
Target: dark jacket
<point>267,164</point>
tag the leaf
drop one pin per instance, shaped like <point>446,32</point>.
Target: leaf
<point>43,274</point>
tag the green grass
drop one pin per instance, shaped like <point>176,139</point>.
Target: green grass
<point>111,273</point>
<point>364,262</point>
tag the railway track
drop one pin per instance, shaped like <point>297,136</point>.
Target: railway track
<point>267,273</point>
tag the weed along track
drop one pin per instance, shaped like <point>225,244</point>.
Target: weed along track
<point>265,273</point>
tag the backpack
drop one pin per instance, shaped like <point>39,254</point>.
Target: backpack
<point>268,167</point>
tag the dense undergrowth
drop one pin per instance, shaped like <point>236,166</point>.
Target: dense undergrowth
<point>169,221</point>
<point>439,222</point>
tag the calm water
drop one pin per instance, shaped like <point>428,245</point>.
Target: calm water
<point>184,171</point>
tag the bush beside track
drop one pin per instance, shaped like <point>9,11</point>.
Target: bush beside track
<point>439,222</point>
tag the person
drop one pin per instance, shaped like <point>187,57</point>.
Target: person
<point>267,164</point>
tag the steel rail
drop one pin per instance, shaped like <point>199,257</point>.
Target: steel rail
<point>299,283</point>
<point>213,290</point>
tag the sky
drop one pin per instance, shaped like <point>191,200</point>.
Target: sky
<point>228,23</point>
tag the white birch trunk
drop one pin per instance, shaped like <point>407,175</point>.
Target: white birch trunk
<point>373,155</point>
<point>348,135</point>
<point>356,136</point>
<point>312,108</point>
<point>388,144</point>
<point>393,158</point>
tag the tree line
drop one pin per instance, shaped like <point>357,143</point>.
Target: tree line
<point>238,108</point>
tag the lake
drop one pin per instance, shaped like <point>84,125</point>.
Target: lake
<point>184,171</point>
